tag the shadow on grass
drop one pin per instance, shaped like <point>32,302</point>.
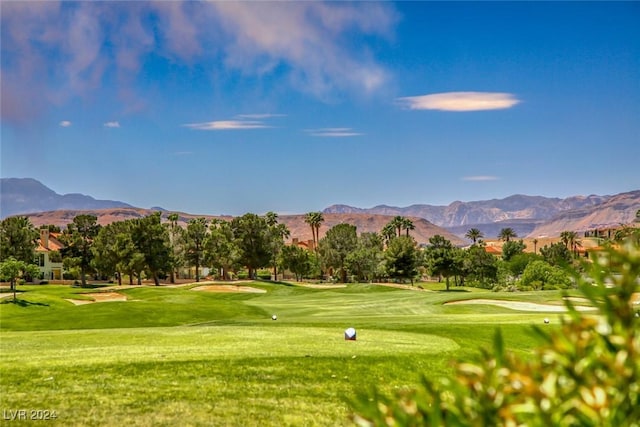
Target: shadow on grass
<point>23,303</point>
<point>452,290</point>
<point>93,285</point>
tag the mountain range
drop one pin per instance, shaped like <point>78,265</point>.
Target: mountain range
<point>27,195</point>
<point>531,216</point>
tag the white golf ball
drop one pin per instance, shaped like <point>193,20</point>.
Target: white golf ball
<point>546,320</point>
<point>274,317</point>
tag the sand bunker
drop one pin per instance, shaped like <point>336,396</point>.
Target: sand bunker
<point>99,297</point>
<point>520,305</point>
<point>320,286</point>
<point>229,288</point>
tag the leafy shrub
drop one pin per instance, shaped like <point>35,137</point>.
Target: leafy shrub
<point>586,373</point>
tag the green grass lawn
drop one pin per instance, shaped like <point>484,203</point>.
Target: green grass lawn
<point>173,356</point>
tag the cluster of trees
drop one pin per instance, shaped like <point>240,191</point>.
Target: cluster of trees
<point>148,248</point>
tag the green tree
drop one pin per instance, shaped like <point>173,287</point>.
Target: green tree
<point>336,245</point>
<point>297,260</point>
<point>113,249</point>
<point>364,261</point>
<point>254,241</point>
<point>151,240</point>
<point>541,275</point>
<point>408,225</point>
<point>78,239</point>
<point>11,270</point>
<point>222,252</point>
<point>440,258</point>
<point>193,240</point>
<point>175,239</point>
<point>556,254</point>
<point>480,267</point>
<point>278,232</point>
<point>512,248</point>
<point>401,258</point>
<point>474,235</point>
<point>18,239</point>
<point>506,234</point>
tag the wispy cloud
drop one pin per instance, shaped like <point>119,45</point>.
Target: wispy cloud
<point>227,125</point>
<point>183,153</point>
<point>480,178</point>
<point>259,116</point>
<point>256,38</point>
<point>112,125</point>
<point>333,132</point>
<point>65,123</point>
<point>460,101</point>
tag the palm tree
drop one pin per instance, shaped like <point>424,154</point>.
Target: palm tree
<point>388,232</point>
<point>407,224</point>
<point>535,246</point>
<point>506,234</point>
<point>397,223</point>
<point>314,219</point>
<point>474,234</point>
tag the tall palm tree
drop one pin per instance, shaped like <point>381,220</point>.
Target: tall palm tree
<point>407,224</point>
<point>314,219</point>
<point>535,246</point>
<point>506,234</point>
<point>474,234</point>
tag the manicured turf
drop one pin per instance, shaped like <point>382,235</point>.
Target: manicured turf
<point>173,356</point>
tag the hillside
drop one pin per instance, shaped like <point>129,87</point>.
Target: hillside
<point>516,207</point>
<point>618,209</point>
<point>299,229</point>
<point>26,195</point>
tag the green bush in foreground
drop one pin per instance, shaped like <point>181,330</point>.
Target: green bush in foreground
<point>586,373</point>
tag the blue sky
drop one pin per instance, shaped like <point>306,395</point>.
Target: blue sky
<point>234,107</point>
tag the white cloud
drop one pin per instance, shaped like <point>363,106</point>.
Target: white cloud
<point>259,116</point>
<point>227,125</point>
<point>480,178</point>
<point>112,125</point>
<point>460,101</point>
<point>65,123</point>
<point>324,49</point>
<point>333,132</point>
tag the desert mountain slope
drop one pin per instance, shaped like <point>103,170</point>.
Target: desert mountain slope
<point>618,209</point>
<point>299,229</point>
<point>516,207</point>
<point>26,195</point>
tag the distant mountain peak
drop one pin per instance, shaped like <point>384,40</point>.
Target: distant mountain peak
<point>28,195</point>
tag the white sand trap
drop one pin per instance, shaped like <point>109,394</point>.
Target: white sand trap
<point>319,286</point>
<point>520,305</point>
<point>99,297</point>
<point>229,288</point>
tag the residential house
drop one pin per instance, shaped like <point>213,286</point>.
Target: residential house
<point>48,256</point>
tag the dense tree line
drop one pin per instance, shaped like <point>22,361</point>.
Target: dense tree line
<point>149,249</point>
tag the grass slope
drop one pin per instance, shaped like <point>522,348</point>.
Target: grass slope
<point>172,356</point>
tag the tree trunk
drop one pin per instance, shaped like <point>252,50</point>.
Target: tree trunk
<point>83,277</point>
<point>119,278</point>
<point>275,273</point>
<point>447,279</point>
<point>155,279</point>
<point>197,271</point>
<point>172,278</point>
<point>13,286</point>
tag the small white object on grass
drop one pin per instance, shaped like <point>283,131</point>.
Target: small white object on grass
<point>546,320</point>
<point>274,317</point>
<point>350,334</point>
